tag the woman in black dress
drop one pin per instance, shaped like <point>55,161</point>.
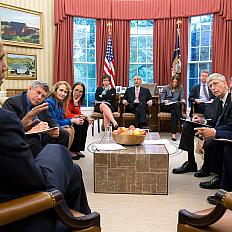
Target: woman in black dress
<point>105,97</point>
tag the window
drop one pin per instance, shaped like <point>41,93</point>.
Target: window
<point>84,55</point>
<point>141,50</point>
<point>200,48</point>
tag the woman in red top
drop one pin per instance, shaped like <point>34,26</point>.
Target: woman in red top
<point>74,110</point>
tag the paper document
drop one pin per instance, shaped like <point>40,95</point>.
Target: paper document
<point>156,141</point>
<point>99,102</point>
<point>224,140</point>
<point>195,124</point>
<point>40,131</point>
<point>169,103</point>
<point>109,147</point>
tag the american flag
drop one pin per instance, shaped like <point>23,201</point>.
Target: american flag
<point>109,62</point>
<point>176,58</point>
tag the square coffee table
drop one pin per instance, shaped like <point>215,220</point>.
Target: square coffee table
<point>141,169</point>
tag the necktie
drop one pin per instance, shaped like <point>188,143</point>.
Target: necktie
<point>220,108</point>
<point>205,93</point>
<point>136,93</point>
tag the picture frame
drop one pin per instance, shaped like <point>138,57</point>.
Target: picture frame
<point>118,89</point>
<point>21,66</point>
<point>21,27</point>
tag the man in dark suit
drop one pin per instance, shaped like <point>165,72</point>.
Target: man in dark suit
<point>21,174</point>
<point>23,103</point>
<point>137,99</point>
<point>200,96</point>
<point>220,121</point>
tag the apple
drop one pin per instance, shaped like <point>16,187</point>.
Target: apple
<point>131,127</point>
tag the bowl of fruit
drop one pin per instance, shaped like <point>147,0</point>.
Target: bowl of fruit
<point>129,136</point>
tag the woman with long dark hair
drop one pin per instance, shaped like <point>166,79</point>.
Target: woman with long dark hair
<point>74,111</point>
<point>171,100</point>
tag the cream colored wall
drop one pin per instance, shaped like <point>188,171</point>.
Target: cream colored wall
<point>45,55</point>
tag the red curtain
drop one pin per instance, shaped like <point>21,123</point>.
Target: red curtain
<point>63,58</point>
<point>121,49</point>
<point>101,43</point>
<point>222,46</point>
<point>188,8</point>
<point>164,44</point>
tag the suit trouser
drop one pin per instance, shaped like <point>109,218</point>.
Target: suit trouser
<point>37,141</point>
<point>79,137</point>
<point>187,144</point>
<point>175,110</point>
<point>222,164</point>
<point>57,166</point>
<point>140,111</point>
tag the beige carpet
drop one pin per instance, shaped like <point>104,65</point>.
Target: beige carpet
<point>145,213</point>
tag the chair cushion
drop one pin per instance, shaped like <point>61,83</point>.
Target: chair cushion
<point>116,115</point>
<point>128,115</point>
<point>96,115</point>
<point>222,225</point>
<point>164,115</point>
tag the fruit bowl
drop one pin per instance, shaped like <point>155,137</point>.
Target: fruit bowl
<point>126,139</point>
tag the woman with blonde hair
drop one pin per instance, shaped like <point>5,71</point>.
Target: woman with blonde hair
<point>57,104</point>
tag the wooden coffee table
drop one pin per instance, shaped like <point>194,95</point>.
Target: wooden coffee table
<point>141,169</point>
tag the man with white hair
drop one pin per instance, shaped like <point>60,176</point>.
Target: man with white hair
<point>221,120</point>
<point>137,99</point>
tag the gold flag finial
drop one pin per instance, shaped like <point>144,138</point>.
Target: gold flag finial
<point>109,25</point>
<point>178,22</point>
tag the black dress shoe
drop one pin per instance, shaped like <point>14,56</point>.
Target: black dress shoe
<point>212,200</point>
<point>212,184</point>
<point>185,167</point>
<point>173,139</point>
<point>202,173</point>
<point>115,127</point>
<point>81,155</point>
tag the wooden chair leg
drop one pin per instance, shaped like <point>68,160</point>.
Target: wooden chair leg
<point>158,125</point>
<point>93,129</point>
<point>98,125</point>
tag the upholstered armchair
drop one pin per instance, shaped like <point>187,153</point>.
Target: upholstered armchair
<point>217,219</point>
<point>23,207</point>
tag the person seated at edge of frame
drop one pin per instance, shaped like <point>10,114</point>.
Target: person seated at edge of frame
<point>230,85</point>
<point>74,110</point>
<point>22,103</point>
<point>21,174</point>
<point>201,96</point>
<point>171,100</point>
<point>221,120</point>
<point>57,104</point>
<point>105,102</point>
<point>137,99</point>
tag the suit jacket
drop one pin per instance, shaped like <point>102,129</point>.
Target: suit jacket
<point>195,93</point>
<point>144,95</point>
<point>18,105</point>
<point>16,160</point>
<point>110,97</point>
<point>224,122</point>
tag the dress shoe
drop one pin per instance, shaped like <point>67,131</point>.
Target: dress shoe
<point>212,184</point>
<point>173,139</point>
<point>115,127</point>
<point>212,200</point>
<point>185,167</point>
<point>202,173</point>
<point>81,155</point>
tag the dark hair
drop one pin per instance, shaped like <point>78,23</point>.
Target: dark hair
<point>82,100</point>
<point>175,77</point>
<point>105,76</point>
